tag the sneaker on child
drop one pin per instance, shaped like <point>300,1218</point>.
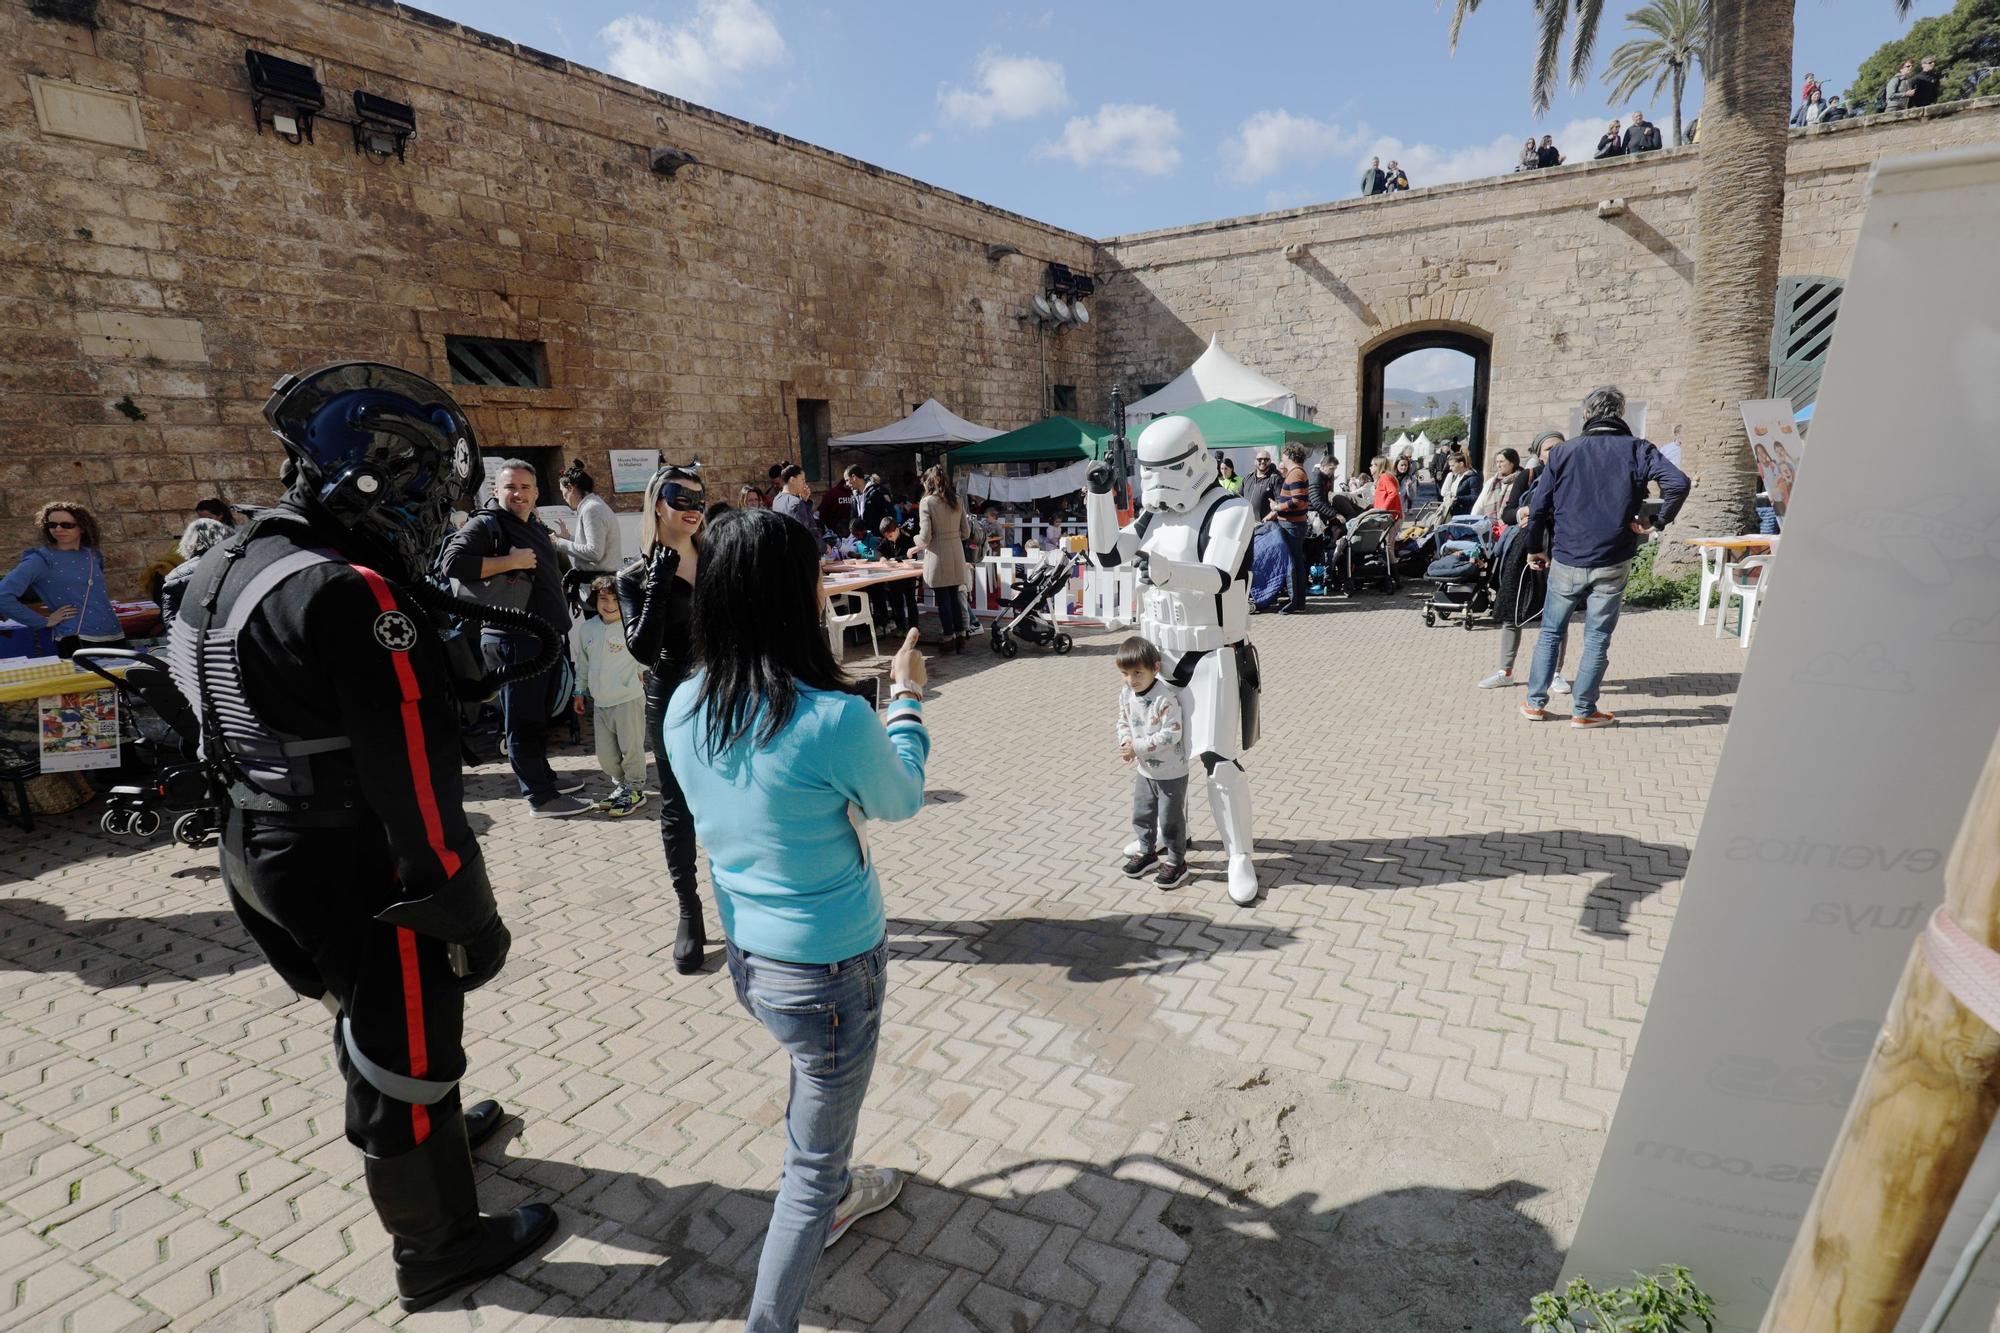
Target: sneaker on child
<point>1138,863</point>
<point>1171,873</point>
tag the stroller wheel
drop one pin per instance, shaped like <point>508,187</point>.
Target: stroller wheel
<point>1063,644</point>
<point>1430,617</point>
<point>1465,621</point>
<point>114,822</point>
<point>145,823</point>
<point>1006,646</point>
<point>191,829</point>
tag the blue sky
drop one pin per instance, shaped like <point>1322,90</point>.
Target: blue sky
<point>1113,116</point>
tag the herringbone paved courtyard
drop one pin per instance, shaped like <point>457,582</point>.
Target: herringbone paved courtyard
<point>1373,1101</point>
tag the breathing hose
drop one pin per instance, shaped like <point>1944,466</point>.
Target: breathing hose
<point>473,683</point>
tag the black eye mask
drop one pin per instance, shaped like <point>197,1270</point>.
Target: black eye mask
<point>686,499</point>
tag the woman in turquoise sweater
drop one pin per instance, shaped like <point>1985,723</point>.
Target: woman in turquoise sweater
<point>783,764</point>
<point>65,574</point>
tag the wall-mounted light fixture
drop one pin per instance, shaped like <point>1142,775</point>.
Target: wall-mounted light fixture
<point>666,161</point>
<point>382,127</point>
<point>1611,208</point>
<point>288,85</point>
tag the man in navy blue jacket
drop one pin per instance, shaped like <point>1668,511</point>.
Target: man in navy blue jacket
<point>1592,493</point>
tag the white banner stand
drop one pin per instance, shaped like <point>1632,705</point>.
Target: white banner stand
<point>1866,711</point>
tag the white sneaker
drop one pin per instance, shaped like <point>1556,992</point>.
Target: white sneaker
<point>1496,680</point>
<point>1135,848</point>
<point>1558,685</point>
<point>870,1189</point>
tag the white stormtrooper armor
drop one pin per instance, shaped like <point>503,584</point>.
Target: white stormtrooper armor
<point>1192,549</point>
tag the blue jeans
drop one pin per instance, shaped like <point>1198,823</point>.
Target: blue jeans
<point>952,618</point>
<point>1295,552</point>
<point>827,1017</point>
<point>1599,594</point>
<point>524,713</point>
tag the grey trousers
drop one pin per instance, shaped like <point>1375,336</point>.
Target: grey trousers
<point>621,741</point>
<point>1159,815</point>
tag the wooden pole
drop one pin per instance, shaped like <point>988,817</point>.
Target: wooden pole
<point>1917,1121</point>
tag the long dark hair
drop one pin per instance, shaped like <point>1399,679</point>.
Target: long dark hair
<point>757,635</point>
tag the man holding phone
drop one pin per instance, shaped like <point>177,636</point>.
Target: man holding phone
<point>1593,494</point>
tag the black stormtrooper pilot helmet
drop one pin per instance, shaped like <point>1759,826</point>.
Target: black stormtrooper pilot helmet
<point>383,454</point>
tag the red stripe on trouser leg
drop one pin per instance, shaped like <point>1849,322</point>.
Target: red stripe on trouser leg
<point>413,1017</point>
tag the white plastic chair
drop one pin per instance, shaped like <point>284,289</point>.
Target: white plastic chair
<point>1745,580</point>
<point>839,621</point>
<point>1712,560</point>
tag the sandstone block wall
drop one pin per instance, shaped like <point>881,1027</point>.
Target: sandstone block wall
<point>1569,299</point>
<point>163,254</point>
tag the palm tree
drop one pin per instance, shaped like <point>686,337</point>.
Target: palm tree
<point>1676,32</point>
<point>1739,220</point>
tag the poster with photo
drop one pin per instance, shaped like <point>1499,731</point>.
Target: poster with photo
<point>631,469</point>
<point>79,731</point>
<point>1776,443</point>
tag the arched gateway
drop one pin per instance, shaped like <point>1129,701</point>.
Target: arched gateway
<point>1377,356</point>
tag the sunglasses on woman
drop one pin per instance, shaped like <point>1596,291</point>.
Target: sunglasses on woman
<point>54,526</point>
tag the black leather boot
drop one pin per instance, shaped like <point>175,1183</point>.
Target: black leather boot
<point>430,1208</point>
<point>482,1121</point>
<point>691,938</point>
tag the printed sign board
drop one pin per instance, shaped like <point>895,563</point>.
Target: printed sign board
<point>1865,712</point>
<point>1776,444</point>
<point>631,469</point>
<point>79,730</point>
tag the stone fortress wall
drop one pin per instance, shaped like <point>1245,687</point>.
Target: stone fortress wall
<point>162,252</point>
<point>166,261</point>
<point>1568,299</point>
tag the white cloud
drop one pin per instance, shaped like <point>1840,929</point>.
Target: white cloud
<point>921,138</point>
<point>1137,138</point>
<point>1429,164</point>
<point>696,58</point>
<point>1270,141</point>
<point>1010,88</point>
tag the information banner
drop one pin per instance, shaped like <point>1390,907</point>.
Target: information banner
<point>1775,444</point>
<point>1865,712</point>
<point>79,730</point>
<point>631,469</point>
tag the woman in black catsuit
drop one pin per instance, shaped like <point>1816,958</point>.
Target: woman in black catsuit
<point>656,596</point>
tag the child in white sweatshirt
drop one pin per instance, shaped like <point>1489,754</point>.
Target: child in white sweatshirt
<point>608,674</point>
<point>1152,734</point>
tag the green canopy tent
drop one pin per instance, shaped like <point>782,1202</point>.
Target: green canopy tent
<point>1229,425</point>
<point>1058,439</point>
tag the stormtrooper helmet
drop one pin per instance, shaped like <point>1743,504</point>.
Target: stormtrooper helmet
<point>1175,466</point>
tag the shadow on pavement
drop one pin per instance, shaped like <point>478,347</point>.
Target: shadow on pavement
<point>112,951</point>
<point>1631,869</point>
<point>1677,685</point>
<point>1091,949</point>
<point>1047,1243</point>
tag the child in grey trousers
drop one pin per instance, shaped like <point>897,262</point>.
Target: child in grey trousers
<point>1152,735</point>
<point>609,675</point>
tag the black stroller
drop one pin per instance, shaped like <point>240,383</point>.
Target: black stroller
<point>165,735</point>
<point>1460,572</point>
<point>1024,616</point>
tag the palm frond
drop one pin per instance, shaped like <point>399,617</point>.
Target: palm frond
<point>1463,9</point>
<point>1588,12</point>
<point>1554,16</point>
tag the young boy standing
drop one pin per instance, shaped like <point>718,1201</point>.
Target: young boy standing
<point>610,677</point>
<point>1152,735</point>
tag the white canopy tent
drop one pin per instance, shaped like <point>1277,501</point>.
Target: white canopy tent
<point>932,423</point>
<point>1216,374</point>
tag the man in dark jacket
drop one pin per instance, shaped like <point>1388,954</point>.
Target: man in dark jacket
<point>1592,493</point>
<point>1260,488</point>
<point>330,725</point>
<point>1901,87</point>
<point>1372,179</point>
<point>503,557</point>
<point>1924,84</point>
<point>1642,135</point>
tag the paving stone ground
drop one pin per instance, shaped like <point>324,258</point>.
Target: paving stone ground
<point>1372,1101</point>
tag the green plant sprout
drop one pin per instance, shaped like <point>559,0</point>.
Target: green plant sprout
<point>1666,1302</point>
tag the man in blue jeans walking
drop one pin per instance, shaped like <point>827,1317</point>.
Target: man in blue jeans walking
<point>1592,493</point>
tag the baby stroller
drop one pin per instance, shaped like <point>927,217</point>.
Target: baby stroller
<point>165,736</point>
<point>1460,572</point>
<point>1023,617</point>
<point>1369,547</point>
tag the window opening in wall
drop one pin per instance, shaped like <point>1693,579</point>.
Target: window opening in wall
<point>502,363</point>
<point>815,429</point>
<point>1063,398</point>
